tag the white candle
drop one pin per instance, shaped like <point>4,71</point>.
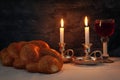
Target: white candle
<point>86,31</point>
<point>62,31</point>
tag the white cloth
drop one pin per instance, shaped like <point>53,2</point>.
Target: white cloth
<point>105,71</point>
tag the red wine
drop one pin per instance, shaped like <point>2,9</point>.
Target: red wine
<point>104,28</point>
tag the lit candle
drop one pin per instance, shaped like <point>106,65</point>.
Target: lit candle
<point>62,31</point>
<point>86,31</point>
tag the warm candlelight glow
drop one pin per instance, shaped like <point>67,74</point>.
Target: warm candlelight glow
<point>62,22</point>
<point>86,21</point>
<point>86,31</point>
<point>62,31</point>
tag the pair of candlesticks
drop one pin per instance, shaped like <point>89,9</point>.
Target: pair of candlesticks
<point>89,58</point>
<point>69,53</point>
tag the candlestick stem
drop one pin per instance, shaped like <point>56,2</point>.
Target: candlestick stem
<point>87,50</point>
<point>62,49</point>
<point>66,54</point>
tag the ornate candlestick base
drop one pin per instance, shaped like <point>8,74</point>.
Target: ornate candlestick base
<point>66,54</point>
<point>87,51</point>
<point>87,59</point>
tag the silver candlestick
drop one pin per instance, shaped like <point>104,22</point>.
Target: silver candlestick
<point>87,51</point>
<point>62,49</point>
<point>66,54</point>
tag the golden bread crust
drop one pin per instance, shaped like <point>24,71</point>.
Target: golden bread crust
<point>34,56</point>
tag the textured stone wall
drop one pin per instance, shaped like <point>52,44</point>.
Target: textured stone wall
<point>40,19</point>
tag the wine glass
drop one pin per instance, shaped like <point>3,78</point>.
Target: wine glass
<point>105,28</point>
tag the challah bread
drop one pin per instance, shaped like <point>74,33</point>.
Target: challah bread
<point>19,64</point>
<point>30,53</point>
<point>49,62</point>
<point>40,43</point>
<point>34,56</point>
<point>53,53</point>
<point>46,64</point>
<point>15,47</point>
<point>6,58</point>
<point>32,67</point>
<point>14,50</point>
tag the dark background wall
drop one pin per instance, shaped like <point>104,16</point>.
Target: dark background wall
<point>25,20</point>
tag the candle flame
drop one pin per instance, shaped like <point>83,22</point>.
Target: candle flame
<point>62,22</point>
<point>86,21</point>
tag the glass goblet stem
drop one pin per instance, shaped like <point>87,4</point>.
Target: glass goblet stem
<point>105,51</point>
<point>105,54</point>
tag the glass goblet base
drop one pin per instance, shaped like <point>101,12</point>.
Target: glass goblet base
<point>106,59</point>
<point>105,54</point>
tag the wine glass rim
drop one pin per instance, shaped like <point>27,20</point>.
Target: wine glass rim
<point>105,20</point>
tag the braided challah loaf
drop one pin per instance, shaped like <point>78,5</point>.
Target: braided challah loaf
<point>34,56</point>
